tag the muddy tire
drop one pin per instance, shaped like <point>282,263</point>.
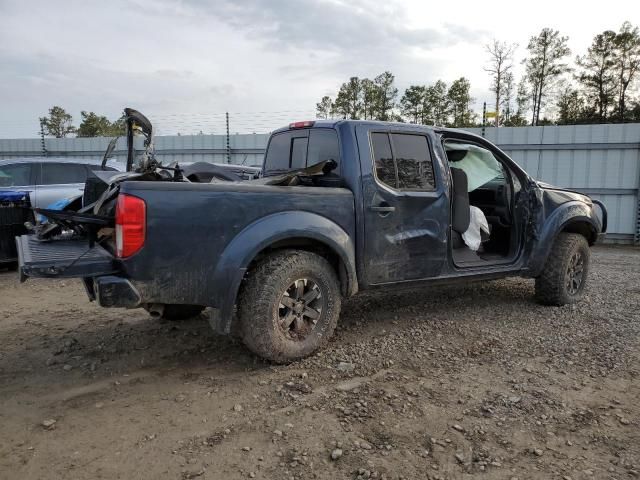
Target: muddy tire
<point>181,312</point>
<point>564,277</point>
<point>289,305</point>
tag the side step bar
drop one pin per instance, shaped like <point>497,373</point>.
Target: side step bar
<point>62,258</point>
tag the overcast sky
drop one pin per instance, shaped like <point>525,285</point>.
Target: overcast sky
<point>184,63</point>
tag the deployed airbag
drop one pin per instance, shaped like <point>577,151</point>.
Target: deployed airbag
<point>479,164</point>
<point>478,223</point>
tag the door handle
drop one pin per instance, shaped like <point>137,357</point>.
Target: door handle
<point>382,208</point>
<point>379,208</point>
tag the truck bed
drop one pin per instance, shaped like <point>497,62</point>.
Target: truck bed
<point>191,229</point>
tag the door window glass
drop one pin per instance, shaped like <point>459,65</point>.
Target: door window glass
<point>62,173</point>
<point>15,175</point>
<point>413,161</point>
<point>408,166</point>
<point>385,168</point>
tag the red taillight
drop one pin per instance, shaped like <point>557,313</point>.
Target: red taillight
<point>305,124</point>
<point>131,224</point>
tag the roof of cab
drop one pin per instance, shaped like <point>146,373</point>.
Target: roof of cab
<point>333,123</point>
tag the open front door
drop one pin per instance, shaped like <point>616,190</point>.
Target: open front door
<point>406,210</point>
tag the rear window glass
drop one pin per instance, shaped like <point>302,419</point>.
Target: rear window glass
<point>301,148</point>
<point>61,173</point>
<point>299,152</point>
<point>15,175</point>
<point>277,158</point>
<point>323,145</point>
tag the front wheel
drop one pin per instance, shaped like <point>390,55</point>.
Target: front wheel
<point>289,305</point>
<point>564,277</point>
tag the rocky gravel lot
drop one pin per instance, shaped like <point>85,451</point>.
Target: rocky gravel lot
<point>446,383</point>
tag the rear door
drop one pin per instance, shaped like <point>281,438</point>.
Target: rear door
<point>60,181</point>
<point>406,209</point>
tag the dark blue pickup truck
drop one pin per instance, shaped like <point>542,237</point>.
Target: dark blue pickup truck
<point>342,206</point>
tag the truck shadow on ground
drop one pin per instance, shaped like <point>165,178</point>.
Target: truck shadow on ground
<point>114,343</point>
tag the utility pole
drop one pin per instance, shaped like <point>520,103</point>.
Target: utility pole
<point>484,117</point>
<point>42,144</point>
<point>228,140</point>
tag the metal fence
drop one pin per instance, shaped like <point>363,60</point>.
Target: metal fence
<point>244,149</point>
<point>600,160</point>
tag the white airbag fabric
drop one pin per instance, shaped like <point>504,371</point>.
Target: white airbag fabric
<point>479,164</point>
<point>472,237</point>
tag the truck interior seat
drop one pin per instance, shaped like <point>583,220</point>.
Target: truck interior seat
<point>460,216</point>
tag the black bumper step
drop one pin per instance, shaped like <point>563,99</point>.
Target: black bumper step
<point>62,258</point>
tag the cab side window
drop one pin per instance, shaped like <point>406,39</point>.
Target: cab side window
<point>403,161</point>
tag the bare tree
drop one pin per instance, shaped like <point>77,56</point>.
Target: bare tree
<point>500,65</point>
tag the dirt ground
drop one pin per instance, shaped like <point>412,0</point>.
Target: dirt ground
<point>446,383</point>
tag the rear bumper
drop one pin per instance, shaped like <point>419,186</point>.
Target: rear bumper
<point>77,259</point>
<point>112,291</point>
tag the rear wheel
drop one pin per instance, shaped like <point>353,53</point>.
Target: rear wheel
<point>565,274</point>
<point>289,305</point>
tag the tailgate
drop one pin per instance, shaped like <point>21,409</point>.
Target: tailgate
<point>62,258</point>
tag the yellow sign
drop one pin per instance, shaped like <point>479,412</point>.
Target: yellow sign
<point>490,115</point>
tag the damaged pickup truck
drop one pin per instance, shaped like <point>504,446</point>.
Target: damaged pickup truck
<point>341,206</point>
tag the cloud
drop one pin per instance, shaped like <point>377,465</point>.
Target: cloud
<point>329,26</point>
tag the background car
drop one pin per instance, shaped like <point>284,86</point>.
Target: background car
<point>47,179</point>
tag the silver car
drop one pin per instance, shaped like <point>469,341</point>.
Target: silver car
<point>47,179</point>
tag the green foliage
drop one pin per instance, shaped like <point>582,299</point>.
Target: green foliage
<point>58,123</point>
<point>386,96</point>
<point>627,63</point>
<point>598,78</point>
<point>93,125</point>
<point>571,107</point>
<point>412,102</point>
<point>459,101</point>
<point>436,104</point>
<point>348,102</point>
<point>544,66</point>
<point>607,76</point>
<point>325,108</point>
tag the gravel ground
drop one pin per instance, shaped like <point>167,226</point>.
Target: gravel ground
<point>447,383</point>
